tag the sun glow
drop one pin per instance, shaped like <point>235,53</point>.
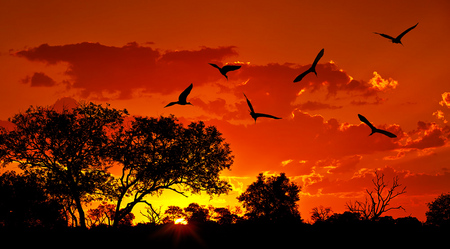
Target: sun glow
<point>180,221</point>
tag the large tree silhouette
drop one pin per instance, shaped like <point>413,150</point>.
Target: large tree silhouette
<point>272,199</point>
<point>161,154</point>
<point>65,150</point>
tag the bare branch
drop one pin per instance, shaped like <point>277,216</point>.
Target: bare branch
<point>378,200</point>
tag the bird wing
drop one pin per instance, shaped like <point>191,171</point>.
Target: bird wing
<point>385,36</point>
<point>170,104</point>
<point>185,93</point>
<point>364,120</point>
<point>300,77</point>
<point>249,104</point>
<point>406,31</point>
<point>228,68</point>
<point>319,55</point>
<point>258,115</point>
<point>214,65</point>
<point>387,133</point>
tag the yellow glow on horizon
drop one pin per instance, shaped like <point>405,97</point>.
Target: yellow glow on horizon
<point>180,221</point>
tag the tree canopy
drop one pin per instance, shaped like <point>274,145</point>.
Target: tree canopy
<point>65,149</point>
<point>439,211</point>
<point>71,152</point>
<point>161,154</point>
<point>272,199</point>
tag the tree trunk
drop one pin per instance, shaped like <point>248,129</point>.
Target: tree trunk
<point>80,212</point>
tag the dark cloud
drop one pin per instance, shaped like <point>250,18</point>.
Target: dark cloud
<point>97,69</point>
<point>39,80</point>
<point>100,71</point>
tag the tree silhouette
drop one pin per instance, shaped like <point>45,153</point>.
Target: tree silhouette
<point>196,213</point>
<point>224,216</point>
<point>24,203</point>
<point>65,150</point>
<point>379,199</point>
<point>161,154</point>
<point>154,216</point>
<point>272,199</point>
<point>104,215</point>
<point>173,213</point>
<point>439,211</point>
<point>320,214</point>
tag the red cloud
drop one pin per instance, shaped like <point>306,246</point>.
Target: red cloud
<point>314,105</point>
<point>303,137</point>
<point>428,135</point>
<point>100,71</point>
<point>416,183</point>
<point>97,69</point>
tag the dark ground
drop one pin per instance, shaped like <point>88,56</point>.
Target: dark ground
<point>232,236</point>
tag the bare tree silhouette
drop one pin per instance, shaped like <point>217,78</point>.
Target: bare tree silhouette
<point>378,200</point>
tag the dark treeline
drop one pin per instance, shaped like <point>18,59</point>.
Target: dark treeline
<point>64,159</point>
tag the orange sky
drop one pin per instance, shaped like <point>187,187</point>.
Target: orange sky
<point>140,55</point>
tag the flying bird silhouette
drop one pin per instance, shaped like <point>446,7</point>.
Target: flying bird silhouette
<point>399,37</point>
<point>375,130</point>
<point>225,69</point>
<point>182,97</point>
<point>257,115</point>
<point>312,69</point>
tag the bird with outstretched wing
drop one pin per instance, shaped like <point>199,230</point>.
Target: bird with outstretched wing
<point>312,69</point>
<point>399,37</point>
<point>182,98</point>
<point>256,115</point>
<point>375,130</point>
<point>225,69</point>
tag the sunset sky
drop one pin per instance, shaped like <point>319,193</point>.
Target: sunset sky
<point>140,55</point>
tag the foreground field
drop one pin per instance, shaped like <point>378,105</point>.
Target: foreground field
<point>233,236</point>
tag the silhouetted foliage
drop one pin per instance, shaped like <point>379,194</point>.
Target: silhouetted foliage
<point>104,215</point>
<point>161,154</point>
<point>65,150</point>
<point>320,214</point>
<point>439,211</point>
<point>173,213</point>
<point>224,216</point>
<point>24,203</point>
<point>71,150</point>
<point>379,199</point>
<point>196,214</point>
<point>272,199</point>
